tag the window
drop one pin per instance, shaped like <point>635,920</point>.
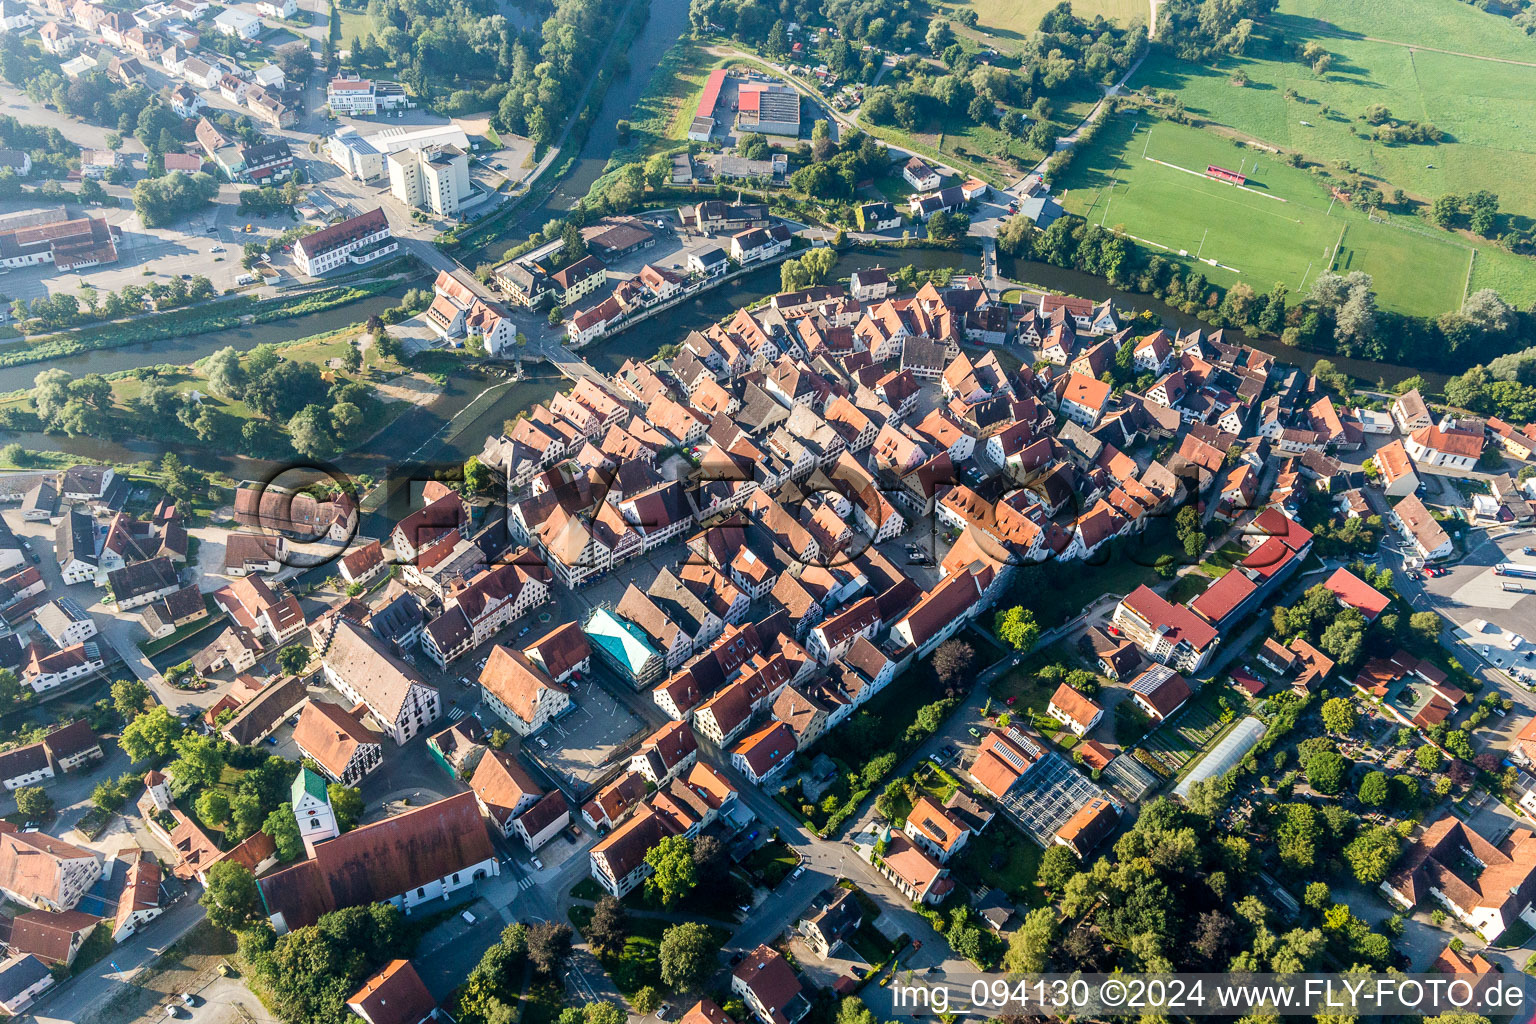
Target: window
<point>421,893</point>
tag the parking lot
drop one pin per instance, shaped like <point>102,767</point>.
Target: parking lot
<point>579,748</point>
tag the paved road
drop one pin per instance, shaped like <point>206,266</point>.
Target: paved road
<point>81,998</point>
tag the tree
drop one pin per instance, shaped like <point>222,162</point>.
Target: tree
<point>646,1000</point>
<point>1372,852</point>
<point>1425,626</point>
<point>1057,866</point>
<point>311,432</point>
<point>1297,835</point>
<point>1428,757</point>
<point>1318,896</point>
<point>33,802</point>
<point>151,735</point>
<point>687,956</point>
<point>1344,639</point>
<point>673,873</point>
<point>607,930</point>
<point>549,946</point>
<point>1017,628</point>
<point>709,855</point>
<point>476,477</point>
<point>1373,789</point>
<point>283,828</point>
<point>1029,946</point>
<point>351,358</point>
<point>602,1012</point>
<point>293,659</point>
<point>231,897</point>
<point>952,661</point>
<point>212,808</point>
<point>1338,715</point>
<point>199,761</point>
<point>347,803</point>
<point>129,698</point>
<point>1325,772</point>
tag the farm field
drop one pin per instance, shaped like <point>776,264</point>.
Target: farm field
<point>1147,177</point>
<point>1016,19</point>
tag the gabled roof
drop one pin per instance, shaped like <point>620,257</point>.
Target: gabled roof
<point>502,784</point>
<point>395,995</point>
<point>331,735</point>
<point>517,682</point>
<point>380,860</point>
<point>1074,705</point>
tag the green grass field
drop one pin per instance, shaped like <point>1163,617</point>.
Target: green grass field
<point>1279,230</point>
<point>1007,20</point>
<point>1442,24</point>
<point>1487,108</point>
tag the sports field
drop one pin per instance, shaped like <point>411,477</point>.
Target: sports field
<point>1467,86</point>
<point>1147,178</point>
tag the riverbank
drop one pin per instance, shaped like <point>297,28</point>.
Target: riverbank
<point>220,315</point>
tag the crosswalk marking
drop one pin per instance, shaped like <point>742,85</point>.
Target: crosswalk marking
<point>455,714</point>
<point>526,882</point>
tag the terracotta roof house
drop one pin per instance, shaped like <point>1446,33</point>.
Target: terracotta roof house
<point>706,1011</point>
<point>1167,633</point>
<point>1354,592</point>
<point>1075,711</point>
<point>421,855</point>
<point>618,860</point>
<point>769,987</point>
<point>665,752</point>
<point>395,995</point>
<point>933,827</point>
<point>52,937</point>
<point>1159,691</point>
<point>520,693</point>
<point>909,867</point>
<point>1089,827</point>
<point>337,740</point>
<point>40,871</point>
<point>1002,759</point>
<point>1484,886</point>
<point>503,789</point>
<point>762,755</point>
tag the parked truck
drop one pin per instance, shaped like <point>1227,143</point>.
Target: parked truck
<point>1514,569</point>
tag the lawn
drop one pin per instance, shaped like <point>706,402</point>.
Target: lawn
<point>1024,683</point>
<point>1001,858</point>
<point>635,966</point>
<point>1221,561</point>
<point>666,108</point>
<point>1187,587</point>
<point>1146,177</point>
<point>772,862</point>
<point>1016,19</point>
<point>354,25</point>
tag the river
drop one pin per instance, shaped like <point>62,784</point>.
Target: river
<point>666,25</point>
<point>186,350</point>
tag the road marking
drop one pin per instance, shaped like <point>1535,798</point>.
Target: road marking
<point>455,714</point>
